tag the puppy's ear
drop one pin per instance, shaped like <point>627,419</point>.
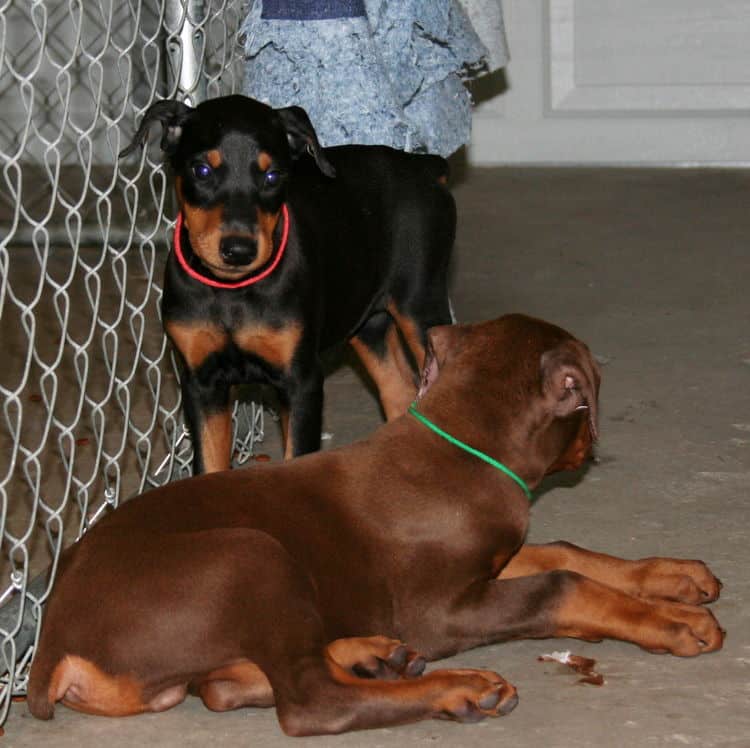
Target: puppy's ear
<point>440,341</point>
<point>301,136</point>
<point>570,380</point>
<point>172,115</point>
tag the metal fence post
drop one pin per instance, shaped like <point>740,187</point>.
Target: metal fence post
<point>186,48</point>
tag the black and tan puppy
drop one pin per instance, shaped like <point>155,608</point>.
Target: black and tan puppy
<point>283,249</point>
<point>299,585</point>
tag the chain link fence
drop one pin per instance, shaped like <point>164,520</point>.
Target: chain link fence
<point>89,391</point>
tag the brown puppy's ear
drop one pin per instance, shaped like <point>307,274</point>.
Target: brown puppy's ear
<point>439,342</point>
<point>301,136</point>
<point>570,379</point>
<point>172,115</point>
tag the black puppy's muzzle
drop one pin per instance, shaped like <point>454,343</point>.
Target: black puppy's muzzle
<point>238,250</point>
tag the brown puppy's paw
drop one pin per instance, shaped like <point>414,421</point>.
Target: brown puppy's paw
<point>686,630</point>
<point>400,662</point>
<point>377,657</point>
<point>472,695</point>
<point>677,579</point>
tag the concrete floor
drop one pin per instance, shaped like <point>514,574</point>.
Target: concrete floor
<point>651,268</point>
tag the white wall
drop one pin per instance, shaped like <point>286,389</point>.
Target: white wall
<point>620,82</point>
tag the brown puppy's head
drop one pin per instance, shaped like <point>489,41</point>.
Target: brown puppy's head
<point>231,158</point>
<point>529,387</point>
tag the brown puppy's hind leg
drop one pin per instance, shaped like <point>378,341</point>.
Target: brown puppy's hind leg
<point>322,698</point>
<point>83,686</point>
<point>234,686</point>
<point>376,657</point>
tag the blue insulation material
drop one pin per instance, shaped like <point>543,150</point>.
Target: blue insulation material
<point>376,72</point>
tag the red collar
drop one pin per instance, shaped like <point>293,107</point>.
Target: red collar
<point>239,284</point>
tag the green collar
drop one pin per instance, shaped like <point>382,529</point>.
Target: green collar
<point>481,455</point>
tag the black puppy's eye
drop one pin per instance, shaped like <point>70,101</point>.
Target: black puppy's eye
<point>202,171</point>
<point>271,178</point>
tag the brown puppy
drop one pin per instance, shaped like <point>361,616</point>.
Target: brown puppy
<point>298,587</point>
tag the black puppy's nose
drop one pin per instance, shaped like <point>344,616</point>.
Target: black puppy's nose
<point>237,250</point>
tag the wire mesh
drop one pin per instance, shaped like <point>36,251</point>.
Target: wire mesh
<point>89,390</point>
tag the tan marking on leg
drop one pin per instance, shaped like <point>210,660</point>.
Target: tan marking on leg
<point>216,441</point>
<point>537,559</point>
<point>443,179</point>
<point>666,578</point>
<point>214,158</point>
<point>378,656</point>
<point>392,374</point>
<point>233,686</point>
<point>411,334</point>
<point>356,649</point>
<point>196,340</point>
<point>264,161</point>
<point>286,434</point>
<point>82,686</point>
<point>276,345</point>
<point>594,611</point>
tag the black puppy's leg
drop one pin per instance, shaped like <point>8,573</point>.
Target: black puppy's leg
<point>416,317</point>
<point>379,347</point>
<point>208,415</point>
<point>205,392</point>
<point>423,238</point>
<point>419,303</point>
<point>302,410</point>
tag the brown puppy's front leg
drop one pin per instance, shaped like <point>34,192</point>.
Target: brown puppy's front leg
<point>666,578</point>
<point>565,603</point>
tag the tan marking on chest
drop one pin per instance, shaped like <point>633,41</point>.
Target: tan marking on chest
<point>276,345</point>
<point>196,341</point>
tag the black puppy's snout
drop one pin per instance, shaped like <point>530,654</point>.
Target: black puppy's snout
<point>237,250</point>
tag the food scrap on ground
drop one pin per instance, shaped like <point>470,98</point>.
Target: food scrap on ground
<point>582,665</point>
